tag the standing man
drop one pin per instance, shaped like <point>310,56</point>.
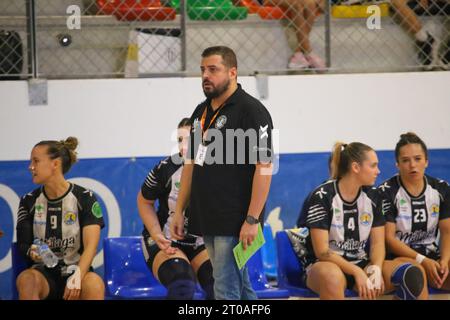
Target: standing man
<point>228,170</point>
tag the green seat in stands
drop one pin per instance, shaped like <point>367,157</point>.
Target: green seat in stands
<point>212,10</point>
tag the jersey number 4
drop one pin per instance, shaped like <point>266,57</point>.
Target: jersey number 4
<point>351,224</point>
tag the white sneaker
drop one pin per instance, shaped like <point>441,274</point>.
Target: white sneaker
<point>298,61</point>
<point>315,61</point>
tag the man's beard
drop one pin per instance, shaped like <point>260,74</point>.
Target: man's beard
<point>217,91</point>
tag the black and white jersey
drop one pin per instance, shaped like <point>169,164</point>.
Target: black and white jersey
<point>163,184</point>
<point>416,218</point>
<point>59,222</point>
<point>301,220</point>
<point>349,224</point>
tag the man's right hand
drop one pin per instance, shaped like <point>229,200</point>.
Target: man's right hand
<point>177,226</point>
<point>34,253</point>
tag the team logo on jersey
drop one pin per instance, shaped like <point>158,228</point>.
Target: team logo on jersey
<point>321,193</point>
<point>195,125</point>
<point>434,210</point>
<point>177,184</point>
<point>384,186</point>
<point>220,122</point>
<point>97,210</point>
<point>337,214</point>
<point>403,206</point>
<point>39,210</point>
<point>263,131</point>
<point>366,219</point>
<point>70,218</point>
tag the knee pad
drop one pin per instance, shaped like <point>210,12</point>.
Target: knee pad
<point>181,290</point>
<point>206,280</point>
<point>408,281</point>
<point>179,279</point>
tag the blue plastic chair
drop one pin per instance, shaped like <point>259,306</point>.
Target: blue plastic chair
<point>126,273</point>
<point>269,253</point>
<point>432,291</point>
<point>259,281</point>
<point>290,270</point>
<point>19,264</point>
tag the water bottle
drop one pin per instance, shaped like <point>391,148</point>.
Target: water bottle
<point>47,255</point>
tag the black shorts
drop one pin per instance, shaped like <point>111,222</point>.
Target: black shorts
<point>434,255</point>
<point>151,249</point>
<point>55,279</point>
<point>349,278</point>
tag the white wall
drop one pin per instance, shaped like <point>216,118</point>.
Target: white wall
<point>122,118</point>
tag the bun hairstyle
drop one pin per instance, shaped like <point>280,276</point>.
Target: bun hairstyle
<point>409,138</point>
<point>344,154</point>
<point>64,149</point>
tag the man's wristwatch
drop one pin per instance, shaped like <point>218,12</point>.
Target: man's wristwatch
<point>251,220</point>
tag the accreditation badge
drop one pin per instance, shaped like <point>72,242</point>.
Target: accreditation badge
<point>201,155</point>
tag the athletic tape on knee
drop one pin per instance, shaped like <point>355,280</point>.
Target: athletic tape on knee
<point>74,281</point>
<point>408,281</point>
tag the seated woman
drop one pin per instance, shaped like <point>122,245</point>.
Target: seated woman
<point>417,207</point>
<point>65,216</point>
<point>343,216</point>
<point>176,264</point>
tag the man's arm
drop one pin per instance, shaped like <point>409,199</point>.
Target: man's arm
<point>260,191</point>
<point>177,225</point>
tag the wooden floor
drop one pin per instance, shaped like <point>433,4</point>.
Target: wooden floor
<point>445,296</point>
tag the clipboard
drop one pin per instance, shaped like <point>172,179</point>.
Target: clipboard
<point>242,256</point>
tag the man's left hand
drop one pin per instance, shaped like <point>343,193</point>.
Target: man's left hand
<point>248,234</point>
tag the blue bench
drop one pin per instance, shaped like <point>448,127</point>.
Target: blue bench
<point>259,281</point>
<point>126,273</point>
<point>290,269</point>
<point>269,253</point>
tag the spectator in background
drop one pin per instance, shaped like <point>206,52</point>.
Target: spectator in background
<point>426,43</point>
<point>302,13</point>
<point>176,264</point>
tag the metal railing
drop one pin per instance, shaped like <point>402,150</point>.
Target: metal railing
<point>140,38</point>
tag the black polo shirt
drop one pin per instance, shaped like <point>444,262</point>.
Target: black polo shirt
<point>238,137</point>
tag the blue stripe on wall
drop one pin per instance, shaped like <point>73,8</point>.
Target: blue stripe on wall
<point>298,174</point>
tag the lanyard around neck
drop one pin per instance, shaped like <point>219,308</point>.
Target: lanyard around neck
<point>203,119</point>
